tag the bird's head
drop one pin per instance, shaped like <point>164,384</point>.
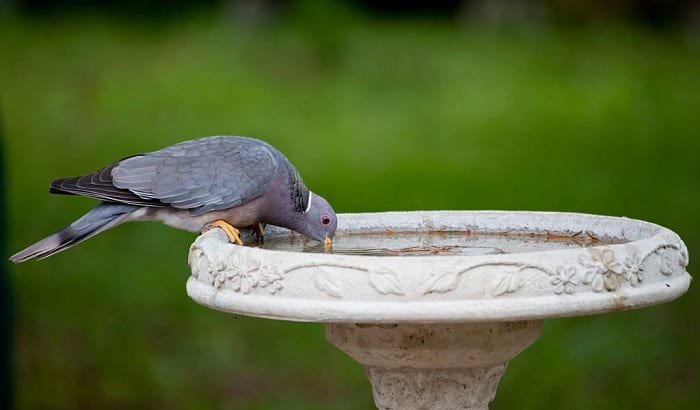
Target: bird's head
<point>320,219</point>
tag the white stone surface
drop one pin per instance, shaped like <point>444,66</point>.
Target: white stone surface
<point>434,366</point>
<point>649,268</point>
<point>438,331</point>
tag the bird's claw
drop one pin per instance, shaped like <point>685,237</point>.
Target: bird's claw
<point>231,232</point>
<point>259,237</point>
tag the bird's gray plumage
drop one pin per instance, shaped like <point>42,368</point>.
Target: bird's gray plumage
<point>202,175</point>
<point>242,180</point>
<point>98,219</point>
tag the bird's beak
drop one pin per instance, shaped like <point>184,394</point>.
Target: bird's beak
<point>327,242</point>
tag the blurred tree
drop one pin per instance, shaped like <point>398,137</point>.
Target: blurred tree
<point>655,13</point>
<point>399,7</point>
<point>153,8</point>
<point>5,300</point>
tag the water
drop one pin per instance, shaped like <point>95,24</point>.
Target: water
<point>439,243</point>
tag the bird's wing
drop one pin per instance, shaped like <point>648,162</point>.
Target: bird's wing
<point>201,175</point>
<point>99,185</point>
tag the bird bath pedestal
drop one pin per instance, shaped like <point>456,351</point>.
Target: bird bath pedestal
<point>435,304</point>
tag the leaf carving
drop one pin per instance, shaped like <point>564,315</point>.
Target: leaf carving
<point>666,264</point>
<point>385,281</point>
<point>683,261</point>
<point>444,283</point>
<point>327,283</point>
<point>508,284</point>
<point>199,263</point>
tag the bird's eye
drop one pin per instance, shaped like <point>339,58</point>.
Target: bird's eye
<point>326,220</point>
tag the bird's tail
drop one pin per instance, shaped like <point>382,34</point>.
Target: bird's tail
<point>98,219</point>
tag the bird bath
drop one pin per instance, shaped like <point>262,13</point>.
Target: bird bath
<point>433,305</point>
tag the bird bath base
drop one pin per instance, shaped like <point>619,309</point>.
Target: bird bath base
<point>428,366</point>
<point>436,329</point>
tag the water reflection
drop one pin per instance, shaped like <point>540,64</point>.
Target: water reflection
<point>436,243</point>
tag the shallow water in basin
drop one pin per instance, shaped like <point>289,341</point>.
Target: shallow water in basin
<point>436,243</point>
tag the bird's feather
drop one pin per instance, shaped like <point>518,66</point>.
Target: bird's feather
<point>98,219</point>
<point>202,175</point>
<point>243,180</point>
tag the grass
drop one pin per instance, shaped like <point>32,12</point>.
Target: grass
<point>377,115</point>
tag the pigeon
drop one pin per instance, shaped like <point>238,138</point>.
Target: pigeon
<point>195,185</point>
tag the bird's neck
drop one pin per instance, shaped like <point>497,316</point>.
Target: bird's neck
<point>287,200</point>
<point>298,192</point>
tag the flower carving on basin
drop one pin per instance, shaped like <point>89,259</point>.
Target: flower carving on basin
<point>435,304</point>
<point>512,263</point>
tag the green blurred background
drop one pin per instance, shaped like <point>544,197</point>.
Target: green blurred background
<point>381,105</point>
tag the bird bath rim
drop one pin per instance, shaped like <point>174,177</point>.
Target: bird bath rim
<point>647,268</point>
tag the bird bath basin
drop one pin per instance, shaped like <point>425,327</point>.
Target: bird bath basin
<point>435,304</point>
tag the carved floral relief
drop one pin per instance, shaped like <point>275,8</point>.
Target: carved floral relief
<point>599,269</point>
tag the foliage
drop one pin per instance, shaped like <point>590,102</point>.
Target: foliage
<point>376,115</point>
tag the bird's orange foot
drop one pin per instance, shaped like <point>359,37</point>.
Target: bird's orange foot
<point>232,233</point>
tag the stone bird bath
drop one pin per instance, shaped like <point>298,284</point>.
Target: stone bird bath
<point>435,304</point>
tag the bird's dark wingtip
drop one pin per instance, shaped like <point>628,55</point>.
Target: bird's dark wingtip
<point>56,187</point>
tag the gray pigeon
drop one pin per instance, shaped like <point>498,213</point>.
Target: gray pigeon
<point>194,185</point>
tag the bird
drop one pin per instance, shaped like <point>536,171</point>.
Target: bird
<point>228,182</point>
